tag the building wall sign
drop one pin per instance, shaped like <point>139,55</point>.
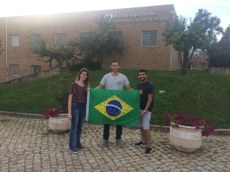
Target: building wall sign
<point>135,17</point>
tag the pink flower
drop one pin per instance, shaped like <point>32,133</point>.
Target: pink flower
<point>52,112</point>
<point>190,120</point>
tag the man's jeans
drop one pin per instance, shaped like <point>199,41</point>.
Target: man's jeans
<point>78,116</point>
<point>106,132</point>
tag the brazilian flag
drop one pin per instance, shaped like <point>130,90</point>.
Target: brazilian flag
<point>116,107</point>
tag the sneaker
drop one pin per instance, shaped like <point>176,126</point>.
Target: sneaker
<point>74,150</point>
<point>140,144</point>
<point>119,143</point>
<point>105,144</point>
<point>148,150</point>
<point>81,147</point>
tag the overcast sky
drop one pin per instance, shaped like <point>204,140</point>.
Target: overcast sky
<point>188,9</point>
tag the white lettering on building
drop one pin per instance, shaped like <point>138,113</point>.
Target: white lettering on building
<point>135,17</point>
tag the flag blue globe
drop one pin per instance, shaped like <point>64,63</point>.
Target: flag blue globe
<point>113,108</point>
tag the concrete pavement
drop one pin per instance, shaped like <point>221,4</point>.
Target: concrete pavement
<point>27,145</point>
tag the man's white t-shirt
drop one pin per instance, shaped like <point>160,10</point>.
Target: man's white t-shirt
<point>116,82</point>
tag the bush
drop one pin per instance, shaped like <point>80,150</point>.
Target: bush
<point>89,65</point>
<point>60,89</point>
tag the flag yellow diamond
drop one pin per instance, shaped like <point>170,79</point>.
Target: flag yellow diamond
<point>113,108</point>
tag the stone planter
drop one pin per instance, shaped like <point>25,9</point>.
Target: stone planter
<point>59,123</point>
<point>185,138</point>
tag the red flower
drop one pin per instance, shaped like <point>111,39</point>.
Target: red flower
<point>190,120</point>
<point>52,112</point>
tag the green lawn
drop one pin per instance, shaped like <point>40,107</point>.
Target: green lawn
<point>199,93</point>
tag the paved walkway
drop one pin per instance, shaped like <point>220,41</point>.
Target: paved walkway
<point>26,145</point>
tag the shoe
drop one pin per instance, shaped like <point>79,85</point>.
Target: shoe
<point>148,150</point>
<point>74,150</point>
<point>81,147</point>
<point>105,144</point>
<point>119,143</point>
<point>140,144</point>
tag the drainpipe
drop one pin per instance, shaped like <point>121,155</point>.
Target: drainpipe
<point>6,49</point>
<point>171,57</point>
<point>173,12</point>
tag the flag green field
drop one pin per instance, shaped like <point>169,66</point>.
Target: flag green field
<point>116,107</point>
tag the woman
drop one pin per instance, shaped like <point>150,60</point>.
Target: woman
<point>77,108</point>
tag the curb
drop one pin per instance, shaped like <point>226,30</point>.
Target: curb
<point>22,114</point>
<point>217,132</point>
<point>222,132</point>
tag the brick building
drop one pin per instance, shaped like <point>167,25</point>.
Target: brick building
<point>199,60</point>
<point>140,27</point>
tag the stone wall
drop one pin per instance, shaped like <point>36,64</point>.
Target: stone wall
<point>220,70</point>
<point>43,74</point>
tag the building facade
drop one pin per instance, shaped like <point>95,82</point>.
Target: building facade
<point>199,60</point>
<point>141,29</point>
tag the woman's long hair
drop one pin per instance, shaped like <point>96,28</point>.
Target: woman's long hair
<point>86,82</point>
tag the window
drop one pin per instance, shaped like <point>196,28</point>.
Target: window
<point>14,40</point>
<point>59,40</point>
<point>14,70</point>
<point>36,40</point>
<point>35,69</point>
<point>149,38</point>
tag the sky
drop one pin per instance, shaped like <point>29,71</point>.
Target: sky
<point>188,9</point>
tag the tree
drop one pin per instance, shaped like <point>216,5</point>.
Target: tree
<point>62,54</point>
<point>94,45</point>
<point>219,53</point>
<point>200,33</point>
<point>174,34</point>
<point>215,53</point>
<point>225,45</point>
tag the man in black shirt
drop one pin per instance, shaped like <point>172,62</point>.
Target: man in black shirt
<point>146,106</point>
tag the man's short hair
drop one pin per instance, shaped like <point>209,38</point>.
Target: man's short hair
<point>115,60</point>
<point>143,70</point>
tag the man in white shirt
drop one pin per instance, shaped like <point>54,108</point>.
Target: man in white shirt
<point>113,81</point>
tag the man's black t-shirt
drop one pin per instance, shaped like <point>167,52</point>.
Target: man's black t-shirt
<point>145,89</point>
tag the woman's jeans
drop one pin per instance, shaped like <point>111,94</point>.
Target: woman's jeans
<point>78,116</point>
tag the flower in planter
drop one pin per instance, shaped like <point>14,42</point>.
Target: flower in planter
<point>59,89</point>
<point>190,120</point>
<point>52,112</point>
